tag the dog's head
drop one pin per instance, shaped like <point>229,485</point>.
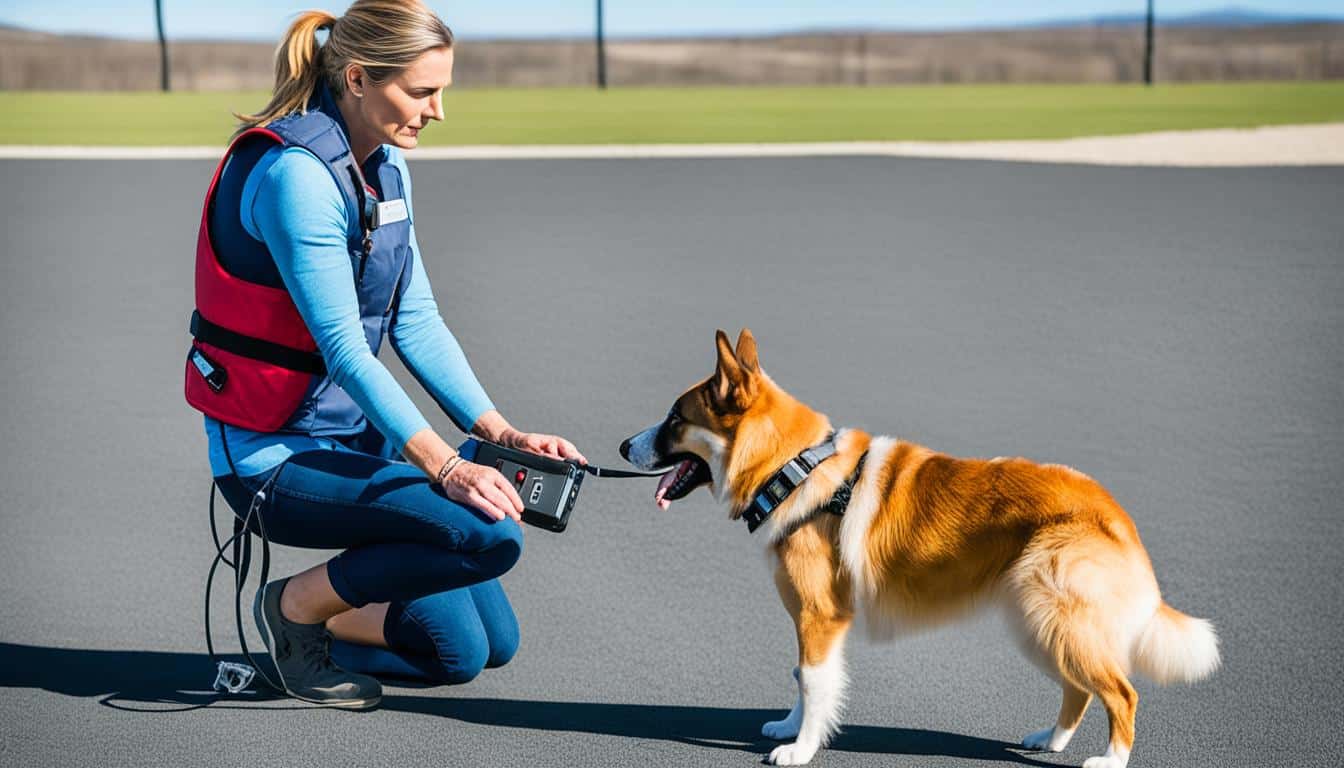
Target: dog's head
<point>728,431</point>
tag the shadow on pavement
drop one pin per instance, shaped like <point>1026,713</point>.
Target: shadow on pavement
<point>139,681</point>
<point>166,682</point>
<point>701,726</point>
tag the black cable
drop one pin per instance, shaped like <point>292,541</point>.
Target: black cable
<point>214,529</point>
<point>265,568</point>
<point>241,541</point>
<point>209,582</point>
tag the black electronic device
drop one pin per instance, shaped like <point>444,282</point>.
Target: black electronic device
<point>548,487</point>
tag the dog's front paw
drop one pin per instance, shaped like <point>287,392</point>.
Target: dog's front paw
<point>796,753</point>
<point>1039,740</point>
<point>780,730</point>
<point>1105,761</point>
<point>1048,740</point>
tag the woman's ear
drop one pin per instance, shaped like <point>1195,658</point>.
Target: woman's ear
<point>354,80</point>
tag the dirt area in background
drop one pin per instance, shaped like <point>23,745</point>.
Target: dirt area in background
<point>1250,147</point>
<point>1273,145</point>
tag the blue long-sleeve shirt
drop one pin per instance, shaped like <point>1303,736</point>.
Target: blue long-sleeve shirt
<point>291,203</point>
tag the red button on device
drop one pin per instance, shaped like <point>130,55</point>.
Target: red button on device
<point>521,476</point>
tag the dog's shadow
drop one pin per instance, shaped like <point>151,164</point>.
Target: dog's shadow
<point>719,727</point>
<point>165,683</point>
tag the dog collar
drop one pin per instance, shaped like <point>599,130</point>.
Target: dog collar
<point>783,482</point>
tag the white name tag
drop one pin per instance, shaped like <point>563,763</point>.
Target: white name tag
<point>391,212</point>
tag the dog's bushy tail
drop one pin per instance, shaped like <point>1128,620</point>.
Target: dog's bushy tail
<point>1176,648</point>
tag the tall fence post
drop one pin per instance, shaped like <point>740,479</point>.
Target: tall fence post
<point>163,48</point>
<point>1148,47</point>
<point>601,51</point>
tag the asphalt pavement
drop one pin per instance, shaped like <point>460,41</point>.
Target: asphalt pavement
<point>1176,333</point>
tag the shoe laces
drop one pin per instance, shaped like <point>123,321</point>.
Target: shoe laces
<point>317,651</point>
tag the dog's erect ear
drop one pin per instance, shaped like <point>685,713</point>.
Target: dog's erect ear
<point>746,351</point>
<point>731,383</point>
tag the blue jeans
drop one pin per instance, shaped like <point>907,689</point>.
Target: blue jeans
<point>405,543</point>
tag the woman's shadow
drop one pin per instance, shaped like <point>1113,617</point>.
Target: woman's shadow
<point>165,682</point>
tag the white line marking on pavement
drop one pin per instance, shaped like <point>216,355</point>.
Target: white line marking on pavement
<point>1225,147</point>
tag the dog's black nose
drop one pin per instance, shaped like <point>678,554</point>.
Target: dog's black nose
<point>625,449</point>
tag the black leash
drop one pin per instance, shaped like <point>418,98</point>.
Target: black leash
<point>597,471</point>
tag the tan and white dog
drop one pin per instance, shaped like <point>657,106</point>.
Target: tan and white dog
<point>927,536</point>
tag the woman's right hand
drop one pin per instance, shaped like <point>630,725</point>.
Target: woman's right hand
<point>484,488</point>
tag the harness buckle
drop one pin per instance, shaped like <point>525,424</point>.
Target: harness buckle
<point>795,473</point>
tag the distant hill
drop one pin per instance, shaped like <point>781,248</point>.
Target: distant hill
<point>11,32</point>
<point>1231,16</point>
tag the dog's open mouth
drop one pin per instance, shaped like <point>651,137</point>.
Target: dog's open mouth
<point>690,474</point>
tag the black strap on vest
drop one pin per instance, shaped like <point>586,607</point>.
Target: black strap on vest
<point>256,349</point>
<point>319,133</point>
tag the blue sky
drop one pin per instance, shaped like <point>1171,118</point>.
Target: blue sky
<point>266,19</point>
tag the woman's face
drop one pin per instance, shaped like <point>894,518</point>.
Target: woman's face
<point>395,111</point>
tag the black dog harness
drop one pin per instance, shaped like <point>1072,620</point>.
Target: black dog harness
<point>790,476</point>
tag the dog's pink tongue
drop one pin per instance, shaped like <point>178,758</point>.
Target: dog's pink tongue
<point>663,485</point>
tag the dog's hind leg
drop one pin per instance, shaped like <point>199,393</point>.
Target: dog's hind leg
<point>1071,711</point>
<point>1077,595</point>
<point>1121,702</point>
<point>1084,657</point>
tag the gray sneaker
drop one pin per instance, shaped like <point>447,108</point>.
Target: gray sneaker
<point>301,653</point>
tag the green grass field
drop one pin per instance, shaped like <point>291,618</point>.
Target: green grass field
<point>698,115</point>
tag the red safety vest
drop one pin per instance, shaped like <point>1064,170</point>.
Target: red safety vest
<point>252,360</point>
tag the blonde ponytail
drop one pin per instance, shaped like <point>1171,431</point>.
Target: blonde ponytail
<point>382,36</point>
<point>297,69</point>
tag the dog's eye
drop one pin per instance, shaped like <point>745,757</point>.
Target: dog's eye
<point>673,417</point>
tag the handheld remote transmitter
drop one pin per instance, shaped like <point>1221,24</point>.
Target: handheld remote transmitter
<point>548,487</point>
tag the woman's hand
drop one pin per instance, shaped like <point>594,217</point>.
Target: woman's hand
<point>484,488</point>
<point>550,446</point>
